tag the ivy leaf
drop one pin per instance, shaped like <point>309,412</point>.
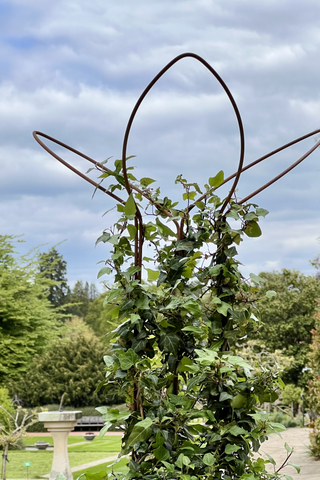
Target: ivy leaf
<point>231,449</point>
<point>256,279</point>
<point>161,453</point>
<point>103,238</point>
<point>225,396</point>
<point>169,466</point>
<point>217,180</point>
<point>223,308</point>
<point>171,342</point>
<point>185,362</point>
<point>145,181</point>
<point>132,231</point>
<point>153,275</point>
<point>289,449</point>
<point>208,459</point>
<point>235,430</point>
<point>140,433</point>
<point>108,360</point>
<point>127,359</point>
<point>261,212</point>
<point>234,360</point>
<point>206,357</point>
<point>164,229</point>
<point>253,229</point>
<point>130,206</point>
<point>104,271</point>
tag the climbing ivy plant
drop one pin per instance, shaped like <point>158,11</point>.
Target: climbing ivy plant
<point>193,403</point>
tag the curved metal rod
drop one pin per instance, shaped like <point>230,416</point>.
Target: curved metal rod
<point>148,88</point>
<point>97,164</point>
<point>276,178</point>
<point>261,159</point>
<point>37,134</point>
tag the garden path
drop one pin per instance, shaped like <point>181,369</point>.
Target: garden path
<point>298,439</point>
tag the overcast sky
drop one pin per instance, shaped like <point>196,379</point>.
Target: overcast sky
<point>74,69</point>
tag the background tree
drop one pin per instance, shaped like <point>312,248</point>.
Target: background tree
<point>288,318</point>
<point>99,319</point>
<point>313,397</point>
<point>53,267</point>
<point>82,296</point>
<point>27,319</point>
<point>73,365</point>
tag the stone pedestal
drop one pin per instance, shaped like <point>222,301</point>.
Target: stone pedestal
<point>60,424</point>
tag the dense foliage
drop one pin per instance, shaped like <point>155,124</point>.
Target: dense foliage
<point>27,319</point>
<point>314,387</point>
<point>193,402</point>
<point>288,318</point>
<point>72,365</point>
<point>53,267</point>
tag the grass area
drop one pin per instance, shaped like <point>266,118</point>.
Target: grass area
<point>41,461</point>
<point>32,440</point>
<point>107,445</point>
<point>119,467</point>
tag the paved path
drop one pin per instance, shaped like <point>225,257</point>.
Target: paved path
<point>298,439</point>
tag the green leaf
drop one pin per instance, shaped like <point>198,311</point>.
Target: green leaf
<point>164,229</point>
<point>171,342</point>
<point>130,206</point>
<point>153,275</point>
<point>127,359</point>
<point>108,360</point>
<point>104,271</point>
<point>231,449</point>
<point>104,429</point>
<point>234,360</point>
<point>256,279</point>
<point>261,212</point>
<point>217,180</point>
<point>140,433</point>
<point>206,357</point>
<point>132,231</point>
<point>224,396</point>
<point>169,466</point>
<point>161,453</point>
<point>208,459</point>
<point>195,330</point>
<point>289,449</point>
<point>179,461</point>
<point>223,308</point>
<point>253,229</point>
<point>235,430</point>
<point>185,362</point>
<point>271,460</point>
<point>145,181</point>
<point>193,308</point>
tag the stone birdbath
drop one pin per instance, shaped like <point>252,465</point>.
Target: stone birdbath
<point>60,424</point>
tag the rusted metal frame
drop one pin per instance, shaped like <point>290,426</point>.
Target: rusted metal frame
<point>275,179</point>
<point>73,169</point>
<point>97,164</point>
<point>140,100</point>
<point>270,154</point>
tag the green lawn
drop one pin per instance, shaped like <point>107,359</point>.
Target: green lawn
<point>41,461</point>
<point>32,440</point>
<point>105,444</point>
<point>119,467</point>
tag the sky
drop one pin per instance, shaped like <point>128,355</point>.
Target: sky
<point>74,69</point>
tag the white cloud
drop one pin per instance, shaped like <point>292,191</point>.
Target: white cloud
<point>74,70</point>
